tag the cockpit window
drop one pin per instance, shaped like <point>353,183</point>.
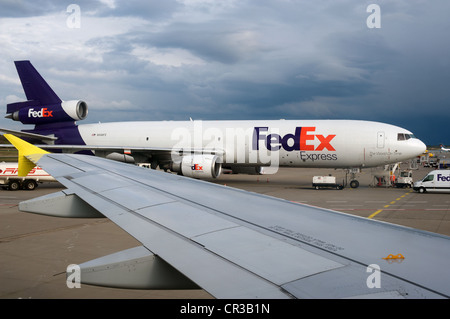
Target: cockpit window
<point>404,136</point>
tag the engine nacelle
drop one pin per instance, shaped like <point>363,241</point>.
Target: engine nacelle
<point>44,114</point>
<point>76,109</point>
<point>198,166</point>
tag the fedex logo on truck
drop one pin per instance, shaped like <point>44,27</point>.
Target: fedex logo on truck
<point>299,141</point>
<point>443,178</point>
<point>44,112</point>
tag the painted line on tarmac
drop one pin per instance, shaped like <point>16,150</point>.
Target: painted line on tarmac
<point>386,206</point>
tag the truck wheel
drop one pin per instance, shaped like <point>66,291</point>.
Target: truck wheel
<point>13,185</point>
<point>422,190</point>
<point>29,185</point>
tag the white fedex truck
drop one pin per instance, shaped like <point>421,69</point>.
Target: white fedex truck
<point>10,180</point>
<point>435,181</point>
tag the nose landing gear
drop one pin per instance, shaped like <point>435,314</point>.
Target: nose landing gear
<point>354,184</point>
<point>352,172</point>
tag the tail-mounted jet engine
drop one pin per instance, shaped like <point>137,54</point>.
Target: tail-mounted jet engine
<point>28,113</point>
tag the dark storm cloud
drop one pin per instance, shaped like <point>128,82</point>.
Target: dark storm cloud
<point>14,9</point>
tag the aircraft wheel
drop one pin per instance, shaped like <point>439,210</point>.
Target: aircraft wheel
<point>354,184</point>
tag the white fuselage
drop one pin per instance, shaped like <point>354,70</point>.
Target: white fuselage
<point>296,143</point>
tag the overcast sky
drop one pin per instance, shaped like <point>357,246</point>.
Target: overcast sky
<point>236,59</point>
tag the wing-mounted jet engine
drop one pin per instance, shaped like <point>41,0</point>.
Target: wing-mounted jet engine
<point>202,166</point>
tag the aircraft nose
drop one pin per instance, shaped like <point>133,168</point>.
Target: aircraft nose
<point>418,147</point>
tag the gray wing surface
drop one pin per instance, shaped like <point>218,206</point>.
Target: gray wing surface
<point>237,244</point>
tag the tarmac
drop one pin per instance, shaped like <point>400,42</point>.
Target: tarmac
<point>35,250</point>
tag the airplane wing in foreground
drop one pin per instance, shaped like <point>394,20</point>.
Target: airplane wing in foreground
<point>237,244</point>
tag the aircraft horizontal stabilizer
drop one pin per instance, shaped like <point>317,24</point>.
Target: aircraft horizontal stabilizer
<point>30,135</point>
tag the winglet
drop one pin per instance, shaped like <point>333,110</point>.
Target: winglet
<point>28,154</point>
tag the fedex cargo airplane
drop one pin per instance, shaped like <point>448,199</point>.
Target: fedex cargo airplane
<point>202,148</point>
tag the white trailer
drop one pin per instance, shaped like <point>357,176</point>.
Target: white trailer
<point>9,178</point>
<point>326,182</point>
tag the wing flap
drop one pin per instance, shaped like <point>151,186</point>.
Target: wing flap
<point>137,197</point>
<point>185,219</point>
<point>263,255</point>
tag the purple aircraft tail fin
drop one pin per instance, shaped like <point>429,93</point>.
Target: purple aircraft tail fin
<point>35,87</point>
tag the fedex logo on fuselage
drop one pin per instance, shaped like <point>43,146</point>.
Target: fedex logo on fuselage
<point>44,112</point>
<point>299,141</point>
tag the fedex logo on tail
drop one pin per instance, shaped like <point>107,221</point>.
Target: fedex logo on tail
<point>44,112</point>
<point>299,141</point>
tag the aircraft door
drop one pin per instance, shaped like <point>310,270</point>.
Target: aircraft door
<point>380,139</point>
